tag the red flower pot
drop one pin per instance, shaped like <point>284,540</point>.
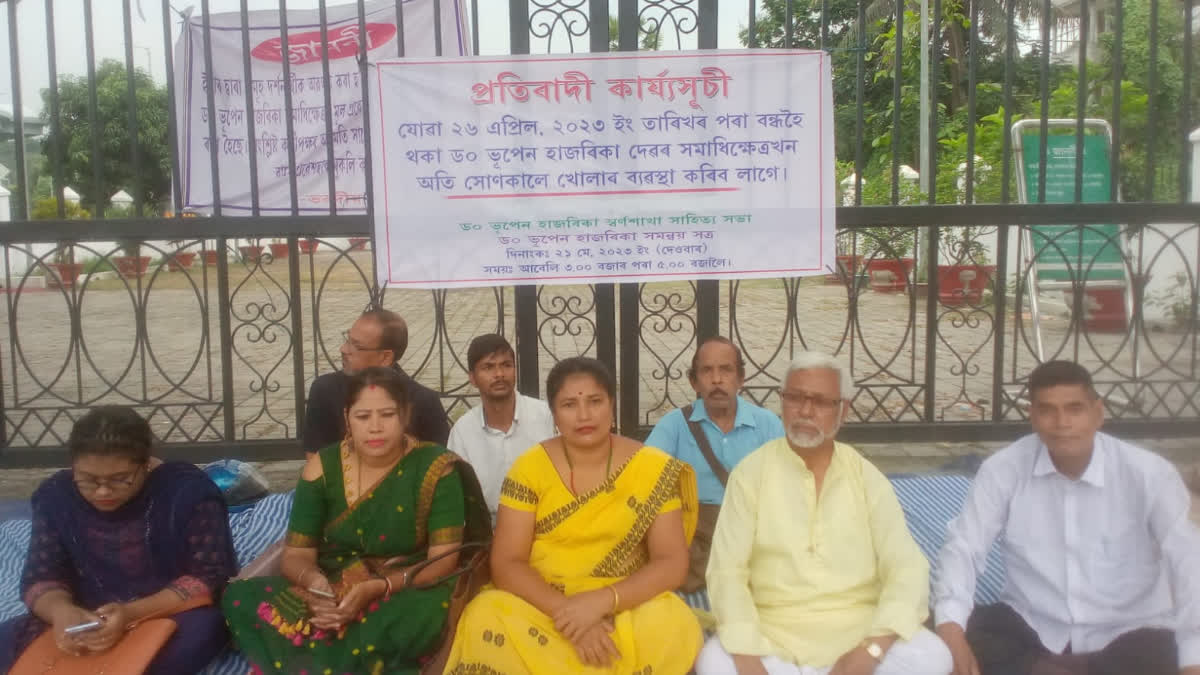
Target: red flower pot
<point>958,284</point>
<point>1104,310</point>
<point>251,254</point>
<point>63,275</point>
<point>308,246</point>
<point>279,250</point>
<point>359,243</point>
<point>847,269</point>
<point>848,265</point>
<point>181,260</point>
<point>210,257</point>
<point>130,266</point>
<point>889,275</point>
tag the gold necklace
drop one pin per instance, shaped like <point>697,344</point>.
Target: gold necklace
<point>571,467</point>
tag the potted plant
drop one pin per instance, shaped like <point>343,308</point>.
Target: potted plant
<point>1176,303</point>
<point>308,245</point>
<point>279,248</point>
<point>63,268</point>
<point>359,243</point>
<point>133,264</point>
<point>848,266</point>
<point>252,252</point>
<point>180,259</point>
<point>210,257</point>
<point>967,274</point>
<point>888,251</point>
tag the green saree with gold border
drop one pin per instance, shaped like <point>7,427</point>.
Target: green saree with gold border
<point>431,497</point>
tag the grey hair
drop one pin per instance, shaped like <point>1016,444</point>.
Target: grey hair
<point>818,360</point>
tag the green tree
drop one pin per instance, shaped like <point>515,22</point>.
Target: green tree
<point>1166,141</point>
<point>74,145</point>
<point>47,209</point>
<point>650,32</point>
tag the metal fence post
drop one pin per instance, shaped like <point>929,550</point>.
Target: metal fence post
<point>525,305</point>
<point>708,291</point>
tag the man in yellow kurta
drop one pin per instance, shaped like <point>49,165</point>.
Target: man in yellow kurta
<point>813,570</point>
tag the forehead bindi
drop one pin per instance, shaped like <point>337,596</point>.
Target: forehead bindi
<point>374,397</point>
<point>366,409</point>
<point>580,386</point>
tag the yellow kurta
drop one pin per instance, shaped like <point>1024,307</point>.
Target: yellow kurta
<point>806,579</point>
<point>581,544</point>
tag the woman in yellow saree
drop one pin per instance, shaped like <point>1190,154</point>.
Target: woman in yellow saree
<point>591,539</point>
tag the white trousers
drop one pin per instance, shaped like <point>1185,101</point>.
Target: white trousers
<point>925,654</point>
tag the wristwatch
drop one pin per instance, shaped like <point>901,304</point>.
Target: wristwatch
<point>874,650</point>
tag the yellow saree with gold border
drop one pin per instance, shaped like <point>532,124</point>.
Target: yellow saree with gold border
<point>581,544</point>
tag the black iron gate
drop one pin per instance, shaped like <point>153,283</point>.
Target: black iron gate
<point>219,357</point>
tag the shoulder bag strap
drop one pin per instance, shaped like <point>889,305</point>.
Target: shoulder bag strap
<point>718,469</point>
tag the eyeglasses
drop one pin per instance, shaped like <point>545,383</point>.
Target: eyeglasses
<point>798,399</point>
<point>113,483</point>
<point>354,346</point>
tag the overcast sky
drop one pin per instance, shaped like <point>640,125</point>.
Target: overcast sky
<point>147,35</point>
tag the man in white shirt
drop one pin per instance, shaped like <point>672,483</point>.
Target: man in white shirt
<point>1102,560</point>
<point>505,424</point>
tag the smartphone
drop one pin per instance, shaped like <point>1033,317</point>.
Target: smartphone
<point>82,627</point>
<point>322,594</point>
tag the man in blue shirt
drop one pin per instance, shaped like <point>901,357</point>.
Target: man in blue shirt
<point>731,428</point>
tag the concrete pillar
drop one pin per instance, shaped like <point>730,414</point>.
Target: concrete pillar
<point>18,260</point>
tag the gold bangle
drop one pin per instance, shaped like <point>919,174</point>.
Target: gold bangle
<point>616,597</point>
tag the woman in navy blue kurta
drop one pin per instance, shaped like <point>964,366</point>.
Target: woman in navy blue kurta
<point>121,535</point>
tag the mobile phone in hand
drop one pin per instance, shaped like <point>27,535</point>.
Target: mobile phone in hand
<point>82,627</point>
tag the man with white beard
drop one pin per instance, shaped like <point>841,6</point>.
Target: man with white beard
<point>813,570</point>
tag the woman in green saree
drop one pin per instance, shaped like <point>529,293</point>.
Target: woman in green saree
<point>366,512</point>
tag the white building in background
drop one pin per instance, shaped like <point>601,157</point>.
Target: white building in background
<point>1066,31</point>
<point>121,198</point>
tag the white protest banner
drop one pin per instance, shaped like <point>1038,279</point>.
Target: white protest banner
<point>618,167</point>
<point>268,112</point>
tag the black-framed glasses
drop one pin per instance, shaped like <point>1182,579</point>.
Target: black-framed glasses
<point>357,347</point>
<point>798,399</point>
<point>113,483</point>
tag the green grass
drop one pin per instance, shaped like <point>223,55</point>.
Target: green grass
<point>96,265</point>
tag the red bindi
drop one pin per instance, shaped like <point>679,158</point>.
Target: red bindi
<point>370,386</point>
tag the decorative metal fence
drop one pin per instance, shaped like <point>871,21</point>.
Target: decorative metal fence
<point>219,354</point>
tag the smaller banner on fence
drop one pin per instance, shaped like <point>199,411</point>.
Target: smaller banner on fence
<point>261,102</point>
<point>614,168</point>
<point>1066,253</point>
